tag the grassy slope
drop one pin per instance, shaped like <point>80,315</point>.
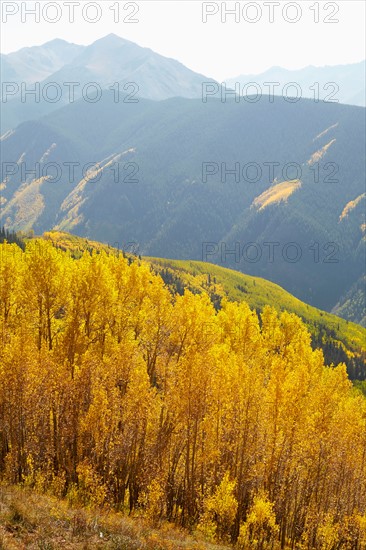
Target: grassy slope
<point>32,521</point>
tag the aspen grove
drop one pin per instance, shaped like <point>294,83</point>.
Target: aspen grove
<point>114,392</point>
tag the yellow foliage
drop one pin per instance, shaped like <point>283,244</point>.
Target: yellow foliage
<point>318,155</point>
<point>350,206</point>
<point>277,193</point>
<point>90,490</point>
<point>260,528</point>
<point>219,509</point>
<point>114,392</point>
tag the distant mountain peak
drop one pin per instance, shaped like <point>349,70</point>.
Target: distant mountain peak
<point>111,40</point>
<point>112,36</point>
<point>348,81</point>
<point>57,41</point>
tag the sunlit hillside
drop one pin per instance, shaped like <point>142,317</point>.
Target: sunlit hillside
<point>341,340</point>
<point>117,394</point>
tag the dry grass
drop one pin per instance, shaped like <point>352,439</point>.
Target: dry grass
<point>30,521</point>
<point>326,131</point>
<point>276,193</point>
<point>26,205</point>
<point>76,198</point>
<point>350,206</point>
<point>318,155</point>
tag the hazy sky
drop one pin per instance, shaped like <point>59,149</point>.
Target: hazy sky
<point>258,35</point>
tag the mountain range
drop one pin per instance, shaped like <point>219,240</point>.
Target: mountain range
<point>115,62</point>
<point>36,63</point>
<point>109,62</point>
<point>339,83</point>
<point>271,188</point>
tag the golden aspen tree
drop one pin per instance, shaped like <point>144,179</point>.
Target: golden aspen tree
<point>11,265</point>
<point>45,288</point>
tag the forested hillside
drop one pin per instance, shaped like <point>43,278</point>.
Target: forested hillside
<point>158,174</point>
<point>114,391</point>
<point>340,340</point>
